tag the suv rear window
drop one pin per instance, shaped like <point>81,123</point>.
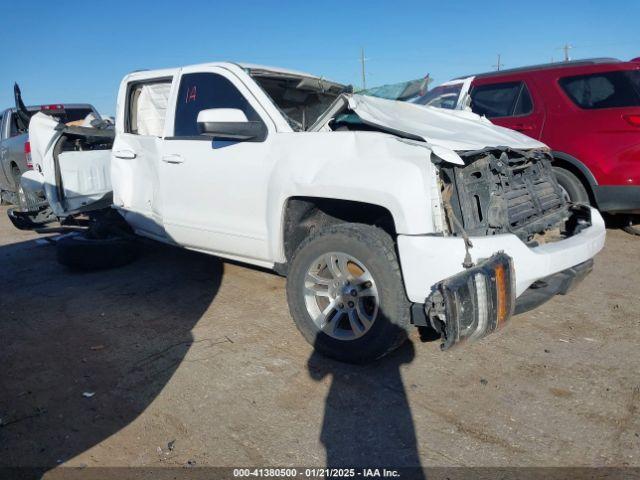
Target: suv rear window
<point>603,90</point>
<point>501,100</point>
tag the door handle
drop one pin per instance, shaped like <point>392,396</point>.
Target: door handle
<point>125,154</point>
<point>523,127</point>
<point>173,158</point>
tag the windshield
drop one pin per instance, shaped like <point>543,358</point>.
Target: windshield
<point>442,96</point>
<point>301,100</point>
<point>404,91</point>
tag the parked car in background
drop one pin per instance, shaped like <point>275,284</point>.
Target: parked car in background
<point>15,149</point>
<point>587,111</point>
<point>382,214</point>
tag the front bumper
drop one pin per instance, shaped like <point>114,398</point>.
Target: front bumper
<point>559,283</point>
<point>427,260</point>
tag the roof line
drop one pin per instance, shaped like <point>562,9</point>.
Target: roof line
<point>545,66</point>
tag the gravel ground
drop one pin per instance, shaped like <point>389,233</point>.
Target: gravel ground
<point>182,359</point>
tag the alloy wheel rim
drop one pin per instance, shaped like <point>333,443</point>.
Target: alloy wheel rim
<point>341,296</point>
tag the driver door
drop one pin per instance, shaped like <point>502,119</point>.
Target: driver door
<point>214,192</point>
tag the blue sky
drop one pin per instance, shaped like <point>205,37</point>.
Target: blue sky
<point>68,51</point>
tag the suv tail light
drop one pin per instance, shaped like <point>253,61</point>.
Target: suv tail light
<point>52,107</point>
<point>633,120</point>
<point>27,154</point>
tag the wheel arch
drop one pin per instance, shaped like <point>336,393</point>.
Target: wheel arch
<point>579,169</point>
<point>304,215</point>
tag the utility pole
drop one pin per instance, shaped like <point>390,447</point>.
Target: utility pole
<point>566,49</point>
<point>364,75</point>
<point>498,65</point>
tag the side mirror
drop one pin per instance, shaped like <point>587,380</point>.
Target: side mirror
<point>230,124</point>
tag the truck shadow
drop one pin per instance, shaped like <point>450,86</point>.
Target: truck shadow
<point>367,418</point>
<point>84,354</point>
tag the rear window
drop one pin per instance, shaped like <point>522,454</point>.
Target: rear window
<point>501,100</point>
<point>603,90</point>
<point>147,107</point>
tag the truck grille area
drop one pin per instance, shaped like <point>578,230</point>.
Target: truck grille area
<point>501,190</point>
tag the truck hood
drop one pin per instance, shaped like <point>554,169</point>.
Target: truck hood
<point>450,129</point>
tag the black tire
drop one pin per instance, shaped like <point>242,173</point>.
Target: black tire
<point>632,224</point>
<point>374,249</point>
<point>572,185</point>
<point>79,252</point>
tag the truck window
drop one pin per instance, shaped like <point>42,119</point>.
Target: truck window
<point>603,90</point>
<point>501,100</point>
<point>147,107</point>
<point>202,91</point>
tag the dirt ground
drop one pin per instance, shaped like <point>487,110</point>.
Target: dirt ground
<point>182,359</point>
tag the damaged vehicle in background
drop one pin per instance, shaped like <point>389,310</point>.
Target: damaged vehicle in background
<point>382,214</point>
<point>15,149</point>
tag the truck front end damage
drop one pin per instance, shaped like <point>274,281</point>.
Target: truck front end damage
<point>507,241</point>
<point>474,303</point>
<point>512,243</point>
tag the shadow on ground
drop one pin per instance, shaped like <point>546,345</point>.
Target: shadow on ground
<point>367,418</point>
<point>84,354</point>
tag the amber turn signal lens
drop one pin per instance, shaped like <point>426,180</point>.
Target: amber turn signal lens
<point>502,309</point>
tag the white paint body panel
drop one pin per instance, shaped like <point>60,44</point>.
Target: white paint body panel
<point>426,260</point>
<point>86,176</point>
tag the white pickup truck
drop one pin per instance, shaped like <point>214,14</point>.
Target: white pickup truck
<point>382,214</point>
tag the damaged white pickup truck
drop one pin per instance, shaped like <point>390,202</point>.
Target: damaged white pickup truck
<point>382,214</point>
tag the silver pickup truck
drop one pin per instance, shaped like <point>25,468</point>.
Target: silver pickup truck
<point>15,149</point>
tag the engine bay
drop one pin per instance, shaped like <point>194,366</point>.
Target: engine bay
<point>503,190</point>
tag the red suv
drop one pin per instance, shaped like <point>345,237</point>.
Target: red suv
<point>587,111</point>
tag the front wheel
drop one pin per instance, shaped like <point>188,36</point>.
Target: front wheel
<point>346,295</point>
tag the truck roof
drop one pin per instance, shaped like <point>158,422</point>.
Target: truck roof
<point>242,65</point>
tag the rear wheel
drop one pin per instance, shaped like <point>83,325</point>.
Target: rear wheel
<point>572,188</point>
<point>346,295</point>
